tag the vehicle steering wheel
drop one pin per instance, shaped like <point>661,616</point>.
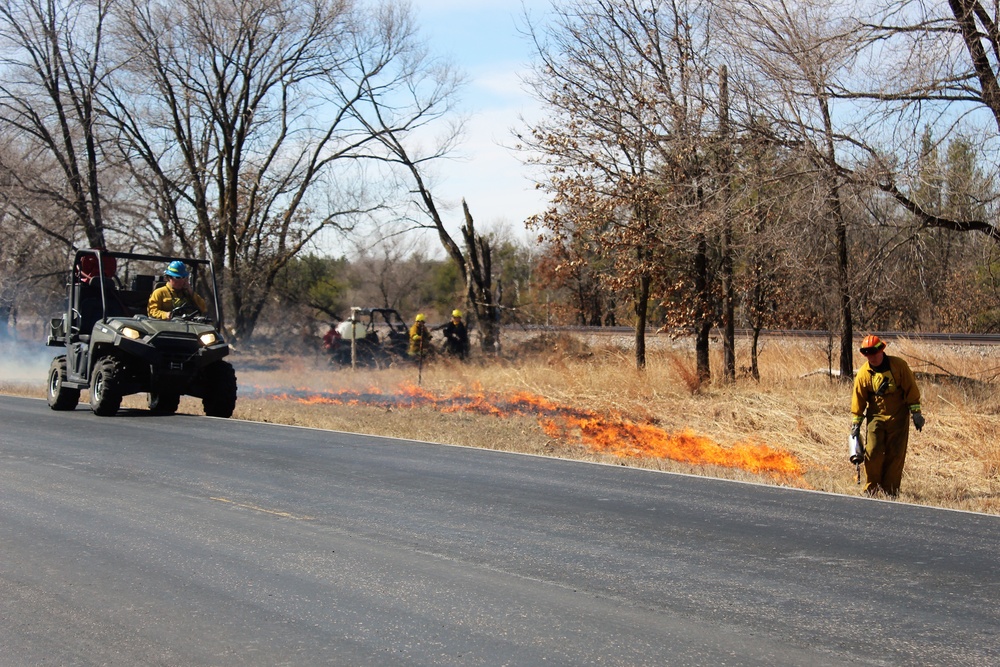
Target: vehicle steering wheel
<point>186,311</point>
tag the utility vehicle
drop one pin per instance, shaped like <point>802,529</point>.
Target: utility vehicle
<point>381,338</point>
<point>114,349</point>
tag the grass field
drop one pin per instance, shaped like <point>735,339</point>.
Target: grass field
<point>561,396</point>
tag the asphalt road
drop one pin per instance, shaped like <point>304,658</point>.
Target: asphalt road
<point>140,540</point>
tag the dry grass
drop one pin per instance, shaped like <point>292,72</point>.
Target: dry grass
<point>954,462</point>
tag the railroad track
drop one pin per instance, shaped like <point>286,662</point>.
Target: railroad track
<point>954,338</point>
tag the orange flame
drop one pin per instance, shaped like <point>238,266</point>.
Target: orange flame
<point>612,434</point>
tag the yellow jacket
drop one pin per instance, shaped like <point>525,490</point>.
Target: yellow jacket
<point>420,339</point>
<point>163,300</point>
<point>886,395</point>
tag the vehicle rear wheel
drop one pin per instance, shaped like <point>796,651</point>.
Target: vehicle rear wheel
<point>219,399</point>
<point>105,394</point>
<point>60,397</point>
<point>163,403</point>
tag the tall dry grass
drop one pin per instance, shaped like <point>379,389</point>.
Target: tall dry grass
<point>795,407</point>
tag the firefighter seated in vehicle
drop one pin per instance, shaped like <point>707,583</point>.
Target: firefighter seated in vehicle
<point>175,295</point>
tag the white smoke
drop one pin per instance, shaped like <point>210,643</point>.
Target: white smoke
<point>26,362</point>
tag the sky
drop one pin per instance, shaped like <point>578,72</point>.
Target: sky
<point>481,37</point>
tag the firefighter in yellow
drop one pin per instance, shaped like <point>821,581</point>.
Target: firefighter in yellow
<point>175,294</point>
<point>420,337</point>
<point>886,395</point>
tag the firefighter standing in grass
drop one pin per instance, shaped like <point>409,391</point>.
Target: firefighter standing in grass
<point>887,396</point>
<point>420,337</point>
<point>456,336</point>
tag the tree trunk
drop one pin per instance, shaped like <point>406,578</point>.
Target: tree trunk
<point>728,307</point>
<point>641,304</point>
<point>728,295</point>
<point>701,351</point>
<point>479,284</point>
<point>703,320</point>
<point>843,273</point>
<point>5,311</point>
<point>844,288</point>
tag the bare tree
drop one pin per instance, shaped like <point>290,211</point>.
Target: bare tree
<point>51,54</point>
<point>938,67</point>
<point>792,56</point>
<point>433,89</point>
<point>571,265</point>
<point>920,70</point>
<point>772,220</point>
<point>392,272</point>
<point>628,88</point>
<point>33,259</point>
<point>251,121</point>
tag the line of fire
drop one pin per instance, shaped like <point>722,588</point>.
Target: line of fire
<point>610,433</point>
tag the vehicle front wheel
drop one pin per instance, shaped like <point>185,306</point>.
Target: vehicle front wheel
<point>59,396</point>
<point>219,399</point>
<point>105,394</point>
<point>163,403</point>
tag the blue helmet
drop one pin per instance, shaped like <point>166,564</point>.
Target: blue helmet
<point>177,269</point>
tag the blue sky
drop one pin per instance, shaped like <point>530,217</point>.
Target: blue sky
<point>481,37</point>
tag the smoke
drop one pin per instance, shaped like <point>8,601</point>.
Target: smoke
<point>25,362</point>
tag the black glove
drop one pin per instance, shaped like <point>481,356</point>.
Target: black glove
<point>918,420</point>
<point>856,430</point>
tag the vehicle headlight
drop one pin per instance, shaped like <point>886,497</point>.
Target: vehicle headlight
<point>129,332</point>
<point>208,338</point>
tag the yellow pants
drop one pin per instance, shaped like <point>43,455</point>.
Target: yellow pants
<point>885,454</point>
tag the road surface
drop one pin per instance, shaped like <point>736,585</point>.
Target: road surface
<point>185,540</point>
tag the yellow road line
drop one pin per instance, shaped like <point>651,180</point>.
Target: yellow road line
<point>286,515</point>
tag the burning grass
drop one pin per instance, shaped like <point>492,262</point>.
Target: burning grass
<point>610,433</point>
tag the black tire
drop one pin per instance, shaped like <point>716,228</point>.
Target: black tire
<point>220,390</point>
<point>60,397</point>
<point>105,394</point>
<point>163,403</point>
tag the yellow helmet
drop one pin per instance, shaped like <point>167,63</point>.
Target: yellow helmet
<point>456,313</point>
<point>420,317</point>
